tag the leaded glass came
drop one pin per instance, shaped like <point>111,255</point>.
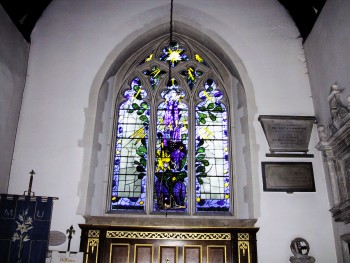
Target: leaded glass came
<point>171,140</point>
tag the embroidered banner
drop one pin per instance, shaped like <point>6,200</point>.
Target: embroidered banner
<point>24,228</point>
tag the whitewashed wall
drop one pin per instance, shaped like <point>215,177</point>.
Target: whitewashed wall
<point>13,65</point>
<point>76,42</point>
<point>328,56</point>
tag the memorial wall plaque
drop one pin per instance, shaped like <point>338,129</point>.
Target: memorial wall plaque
<point>287,136</point>
<point>288,177</point>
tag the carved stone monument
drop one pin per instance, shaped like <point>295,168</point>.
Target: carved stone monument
<point>300,249</point>
<point>287,136</point>
<point>335,146</point>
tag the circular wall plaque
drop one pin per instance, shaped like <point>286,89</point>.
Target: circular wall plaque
<point>57,238</point>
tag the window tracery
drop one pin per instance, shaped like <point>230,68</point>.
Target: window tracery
<point>172,137</point>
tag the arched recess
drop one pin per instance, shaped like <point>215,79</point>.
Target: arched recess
<point>99,117</point>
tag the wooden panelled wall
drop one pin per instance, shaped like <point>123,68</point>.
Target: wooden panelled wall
<point>111,244</point>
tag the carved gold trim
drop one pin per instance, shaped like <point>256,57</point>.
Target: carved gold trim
<point>243,246</point>
<point>121,245</point>
<point>143,245</point>
<point>243,236</point>
<point>168,235</point>
<point>91,245</point>
<point>192,246</point>
<point>216,246</point>
<point>94,233</point>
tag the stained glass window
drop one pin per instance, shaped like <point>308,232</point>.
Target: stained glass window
<point>130,158</point>
<point>171,140</point>
<point>212,161</point>
<point>170,181</point>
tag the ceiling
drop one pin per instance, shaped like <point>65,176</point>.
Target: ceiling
<point>25,13</point>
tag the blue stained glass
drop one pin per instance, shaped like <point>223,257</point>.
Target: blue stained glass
<point>191,76</point>
<point>130,157</point>
<point>155,75</point>
<point>212,165</point>
<point>171,151</point>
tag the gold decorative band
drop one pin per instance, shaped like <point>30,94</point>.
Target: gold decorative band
<point>94,233</point>
<point>166,235</point>
<point>243,236</point>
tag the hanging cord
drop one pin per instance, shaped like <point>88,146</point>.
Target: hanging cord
<point>170,35</point>
<point>171,21</point>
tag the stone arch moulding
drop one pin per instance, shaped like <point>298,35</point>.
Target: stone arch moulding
<point>93,184</point>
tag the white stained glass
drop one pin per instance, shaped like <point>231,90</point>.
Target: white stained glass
<point>127,151</point>
<point>129,131</point>
<point>211,183</point>
<point>216,170</point>
<point>214,149</point>
<point>213,196</point>
<point>129,186</point>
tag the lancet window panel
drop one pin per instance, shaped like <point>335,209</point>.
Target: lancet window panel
<point>171,141</point>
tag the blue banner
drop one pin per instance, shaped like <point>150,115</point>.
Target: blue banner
<point>24,228</point>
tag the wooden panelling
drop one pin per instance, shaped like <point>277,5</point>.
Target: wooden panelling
<point>119,253</point>
<point>168,254</point>
<point>113,244</point>
<point>192,254</point>
<point>216,254</point>
<point>143,253</point>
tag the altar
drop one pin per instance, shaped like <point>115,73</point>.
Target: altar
<point>165,240</point>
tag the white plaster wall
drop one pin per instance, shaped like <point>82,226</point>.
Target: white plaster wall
<point>13,65</point>
<point>328,55</point>
<point>76,42</point>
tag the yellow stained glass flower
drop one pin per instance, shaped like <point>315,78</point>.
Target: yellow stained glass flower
<point>174,55</point>
<point>198,199</point>
<point>198,58</point>
<point>227,196</point>
<point>149,58</point>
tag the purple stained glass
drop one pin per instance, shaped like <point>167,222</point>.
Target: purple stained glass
<point>171,151</point>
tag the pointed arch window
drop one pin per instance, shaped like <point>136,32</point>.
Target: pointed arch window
<point>171,141</point>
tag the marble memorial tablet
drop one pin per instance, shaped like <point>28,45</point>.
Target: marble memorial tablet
<point>287,134</point>
<point>288,177</point>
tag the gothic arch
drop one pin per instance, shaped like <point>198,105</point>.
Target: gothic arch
<point>93,183</point>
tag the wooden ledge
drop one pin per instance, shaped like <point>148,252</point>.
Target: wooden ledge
<point>170,223</point>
